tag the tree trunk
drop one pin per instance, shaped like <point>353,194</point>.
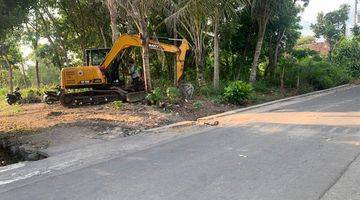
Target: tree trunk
<point>271,58</point>
<point>24,75</point>
<point>37,71</point>
<point>275,57</point>
<point>35,45</point>
<point>103,36</point>
<point>113,19</point>
<point>216,53</point>
<point>174,68</point>
<point>238,74</point>
<point>282,82</point>
<point>298,83</point>
<point>198,51</point>
<point>11,83</point>
<point>199,63</point>
<point>145,55</point>
<point>262,28</point>
<point>57,48</point>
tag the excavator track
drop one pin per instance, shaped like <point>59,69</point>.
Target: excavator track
<point>93,97</point>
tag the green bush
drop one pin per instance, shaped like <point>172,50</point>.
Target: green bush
<point>3,92</point>
<point>209,91</point>
<point>198,105</point>
<point>217,99</point>
<point>262,86</point>
<point>155,96</point>
<point>173,94</point>
<point>238,92</point>
<point>118,104</point>
<point>346,54</point>
<point>32,95</point>
<point>313,74</point>
<point>321,74</point>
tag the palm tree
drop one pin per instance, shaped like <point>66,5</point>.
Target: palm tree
<point>138,11</point>
<point>193,18</point>
<point>221,9</point>
<point>261,11</point>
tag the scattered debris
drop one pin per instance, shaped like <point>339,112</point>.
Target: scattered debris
<point>55,114</point>
<point>214,123</point>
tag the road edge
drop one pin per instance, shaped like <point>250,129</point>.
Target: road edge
<point>185,124</point>
<point>212,117</point>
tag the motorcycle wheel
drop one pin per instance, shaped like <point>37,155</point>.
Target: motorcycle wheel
<point>10,102</point>
<point>48,100</point>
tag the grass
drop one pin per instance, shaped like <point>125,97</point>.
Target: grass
<point>118,105</point>
<point>5,108</point>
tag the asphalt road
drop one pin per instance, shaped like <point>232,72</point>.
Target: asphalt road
<point>307,149</point>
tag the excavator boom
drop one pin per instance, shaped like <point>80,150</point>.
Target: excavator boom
<point>125,41</point>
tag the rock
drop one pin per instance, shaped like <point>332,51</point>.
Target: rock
<point>55,114</point>
<point>187,90</point>
<point>32,157</point>
<point>14,149</point>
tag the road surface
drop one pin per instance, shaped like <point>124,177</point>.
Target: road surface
<point>306,148</point>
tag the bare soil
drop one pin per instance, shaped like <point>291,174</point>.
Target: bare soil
<point>54,129</point>
<point>36,117</point>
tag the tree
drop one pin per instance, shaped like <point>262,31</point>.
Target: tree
<point>193,16</point>
<point>113,11</point>
<point>261,11</point>
<point>283,31</point>
<point>346,54</point>
<point>356,31</point>
<point>32,36</point>
<point>216,20</point>
<point>10,57</point>
<point>221,9</point>
<point>70,27</point>
<point>138,11</point>
<point>332,26</point>
<point>12,14</point>
<point>237,50</point>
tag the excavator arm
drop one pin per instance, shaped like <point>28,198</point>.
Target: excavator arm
<point>125,41</point>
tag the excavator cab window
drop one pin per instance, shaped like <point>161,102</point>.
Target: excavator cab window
<point>94,57</point>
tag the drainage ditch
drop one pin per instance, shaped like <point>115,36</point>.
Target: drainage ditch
<point>11,153</point>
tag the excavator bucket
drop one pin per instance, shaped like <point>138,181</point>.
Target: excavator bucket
<point>133,97</point>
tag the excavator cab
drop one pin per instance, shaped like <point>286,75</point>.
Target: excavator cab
<point>95,56</point>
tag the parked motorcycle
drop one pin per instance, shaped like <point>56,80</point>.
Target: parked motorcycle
<point>12,98</point>
<point>50,97</point>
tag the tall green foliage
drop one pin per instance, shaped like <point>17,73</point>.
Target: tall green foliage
<point>347,54</point>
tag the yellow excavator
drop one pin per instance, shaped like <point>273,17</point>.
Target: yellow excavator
<point>98,81</point>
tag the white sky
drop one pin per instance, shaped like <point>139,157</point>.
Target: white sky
<point>316,6</point>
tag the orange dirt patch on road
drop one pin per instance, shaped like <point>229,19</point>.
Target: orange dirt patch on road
<point>299,118</point>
